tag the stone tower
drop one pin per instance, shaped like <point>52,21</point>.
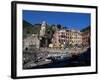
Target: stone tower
<point>43,29</point>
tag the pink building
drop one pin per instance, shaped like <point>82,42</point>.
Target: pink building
<point>67,37</point>
<point>60,37</point>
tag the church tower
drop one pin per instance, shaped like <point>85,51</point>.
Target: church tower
<point>43,29</point>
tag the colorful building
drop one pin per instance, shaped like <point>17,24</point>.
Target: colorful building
<point>67,37</point>
<point>86,33</point>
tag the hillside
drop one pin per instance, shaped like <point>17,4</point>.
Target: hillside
<point>85,29</point>
<point>29,29</point>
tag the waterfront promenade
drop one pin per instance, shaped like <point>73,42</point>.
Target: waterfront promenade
<point>67,50</point>
<point>40,57</point>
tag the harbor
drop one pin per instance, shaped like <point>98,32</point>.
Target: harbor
<point>45,59</point>
<point>52,46</point>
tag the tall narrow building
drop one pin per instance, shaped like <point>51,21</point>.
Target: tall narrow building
<point>43,29</point>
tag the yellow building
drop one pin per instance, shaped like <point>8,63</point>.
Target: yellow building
<point>68,36</point>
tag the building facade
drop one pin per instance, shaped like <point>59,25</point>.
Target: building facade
<point>68,37</point>
<point>75,37</point>
<point>43,29</point>
<point>31,41</point>
<point>86,37</point>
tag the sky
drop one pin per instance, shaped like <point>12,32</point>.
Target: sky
<point>72,20</point>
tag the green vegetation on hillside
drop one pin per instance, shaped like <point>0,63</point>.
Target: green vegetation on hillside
<point>29,29</point>
<point>85,29</point>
